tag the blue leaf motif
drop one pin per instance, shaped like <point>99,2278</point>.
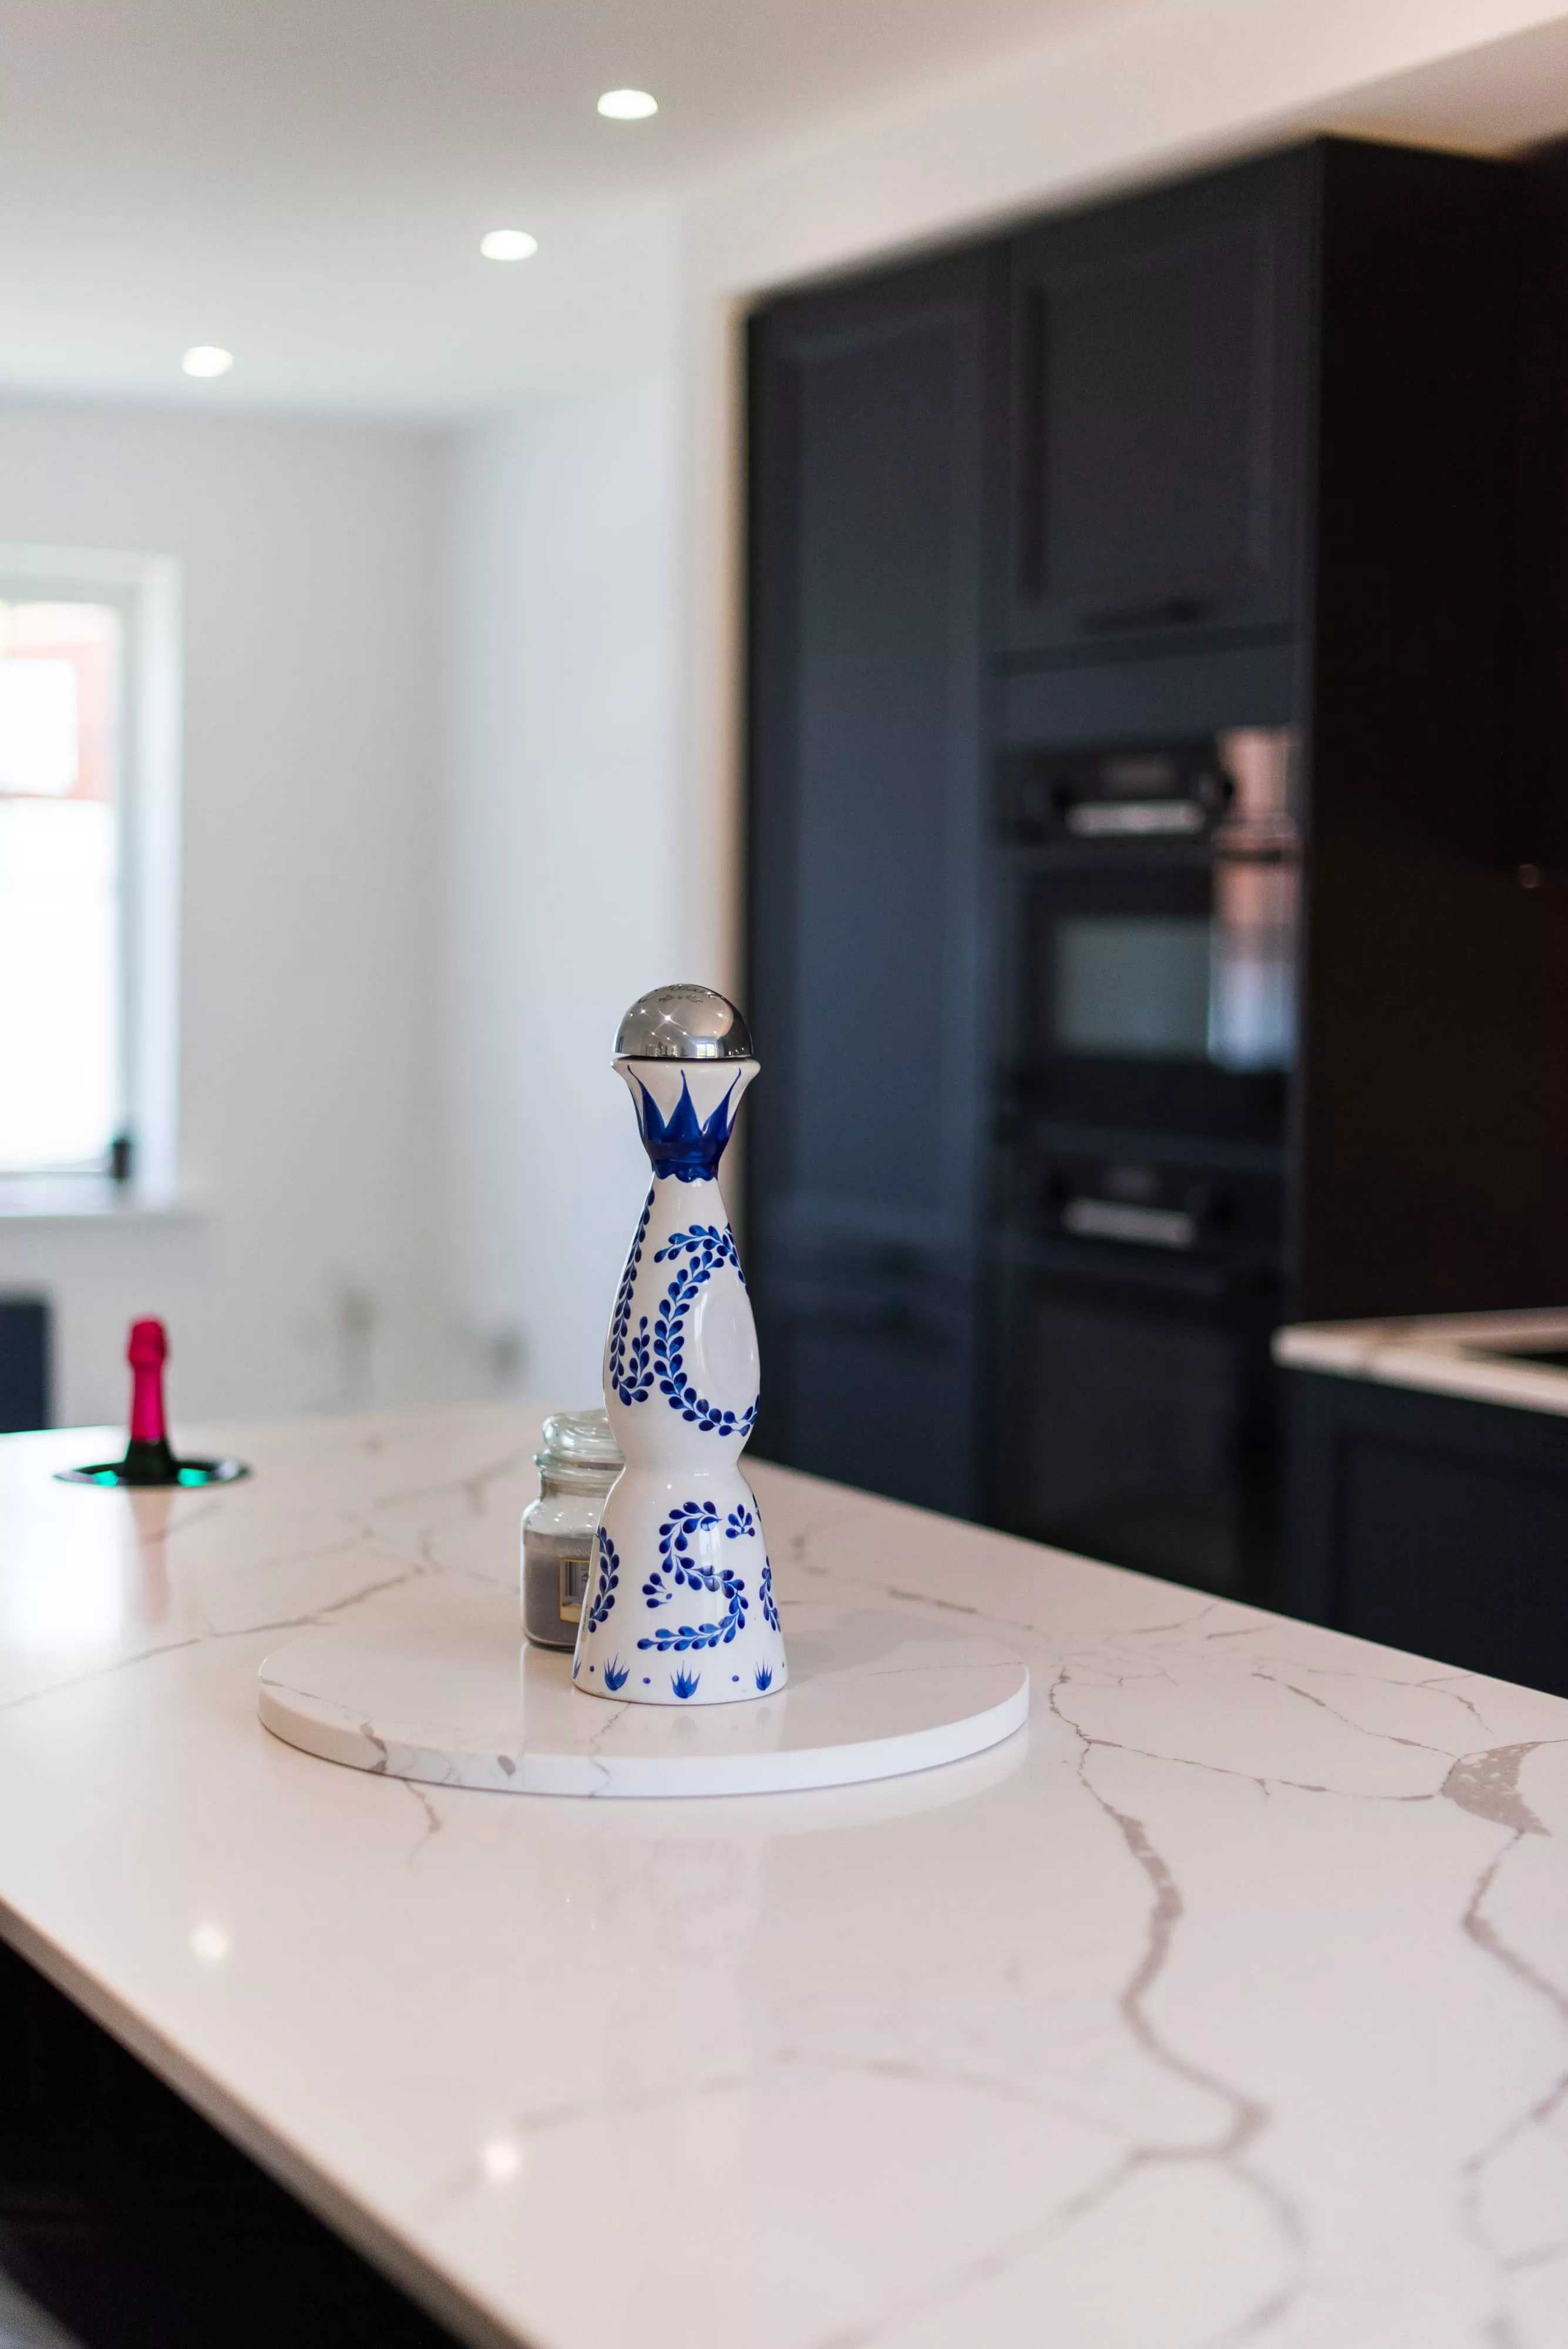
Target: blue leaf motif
<point>609,1582</point>
<point>696,1255</point>
<point>686,1572</point>
<point>630,1370</point>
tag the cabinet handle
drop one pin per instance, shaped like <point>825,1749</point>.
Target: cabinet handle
<point>1170,612</point>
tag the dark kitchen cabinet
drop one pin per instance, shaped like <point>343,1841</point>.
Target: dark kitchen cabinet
<point>136,2225</point>
<point>868,421</point>
<point>1158,358</point>
<point>1088,1059</point>
<point>1538,825</point>
<point>25,1334</point>
<point>1432,1522</point>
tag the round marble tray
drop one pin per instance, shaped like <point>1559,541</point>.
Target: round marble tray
<point>443,1696</point>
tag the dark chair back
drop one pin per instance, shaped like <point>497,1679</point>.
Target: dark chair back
<point>24,1364</point>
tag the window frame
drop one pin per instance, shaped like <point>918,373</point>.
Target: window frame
<point>144,589</point>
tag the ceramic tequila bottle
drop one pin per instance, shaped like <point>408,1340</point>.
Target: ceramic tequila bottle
<point>680,1607</point>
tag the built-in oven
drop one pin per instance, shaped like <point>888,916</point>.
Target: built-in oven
<point>1154,938</point>
<point>1136,1416</point>
<point>1152,899</point>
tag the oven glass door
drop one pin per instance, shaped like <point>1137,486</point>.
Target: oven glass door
<point>1160,997</point>
<point>1139,1425</point>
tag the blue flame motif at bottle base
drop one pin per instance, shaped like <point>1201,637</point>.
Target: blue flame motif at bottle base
<point>686,1146</point>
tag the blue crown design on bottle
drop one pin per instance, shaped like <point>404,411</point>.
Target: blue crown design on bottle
<point>683,1145</point>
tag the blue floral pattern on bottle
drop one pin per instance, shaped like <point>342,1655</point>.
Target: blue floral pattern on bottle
<point>681,1571</point>
<point>675,1638</point>
<point>609,1582</point>
<point>684,1682</point>
<point>696,1255</point>
<point>630,1368</point>
<point>765,1596</point>
<point>681,1568</point>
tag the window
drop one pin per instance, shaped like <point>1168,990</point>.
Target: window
<point>87,880</point>
<point>61,1078</point>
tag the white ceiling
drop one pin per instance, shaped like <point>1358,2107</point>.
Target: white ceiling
<point>306,182</point>
<point>1492,100</point>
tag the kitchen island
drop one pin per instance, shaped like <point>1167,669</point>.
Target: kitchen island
<point>1427,1485</point>
<point>1225,2001</point>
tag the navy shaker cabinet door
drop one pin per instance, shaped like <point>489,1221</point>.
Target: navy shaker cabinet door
<point>1433,1523</point>
<point>866,675</point>
<point>1157,354</point>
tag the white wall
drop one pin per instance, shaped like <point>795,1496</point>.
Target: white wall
<point>565,832</point>
<point>311,650</point>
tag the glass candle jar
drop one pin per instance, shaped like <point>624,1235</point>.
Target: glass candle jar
<point>580,1462</point>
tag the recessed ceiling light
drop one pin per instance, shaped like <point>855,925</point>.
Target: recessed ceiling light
<point>508,245</point>
<point>627,105</point>
<point>206,359</point>
<point>501,2157</point>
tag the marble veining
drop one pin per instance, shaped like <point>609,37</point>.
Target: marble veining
<point>1229,2007</point>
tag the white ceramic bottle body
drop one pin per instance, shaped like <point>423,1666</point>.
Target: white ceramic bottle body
<point>680,1608</point>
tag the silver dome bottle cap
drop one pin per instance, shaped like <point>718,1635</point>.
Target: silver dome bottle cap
<point>683,1023</point>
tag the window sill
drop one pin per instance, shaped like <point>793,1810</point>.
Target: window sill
<point>84,1199</point>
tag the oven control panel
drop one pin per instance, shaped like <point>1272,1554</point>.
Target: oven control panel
<point>1236,788</point>
<point>1176,1205</point>
<point>1177,791</point>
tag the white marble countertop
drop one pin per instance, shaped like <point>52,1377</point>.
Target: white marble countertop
<point>1477,1355</point>
<point>1226,2004</point>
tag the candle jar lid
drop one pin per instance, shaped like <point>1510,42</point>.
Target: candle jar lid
<point>579,1451</point>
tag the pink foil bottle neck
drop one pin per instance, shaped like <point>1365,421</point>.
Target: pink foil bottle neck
<point>146,1353</point>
